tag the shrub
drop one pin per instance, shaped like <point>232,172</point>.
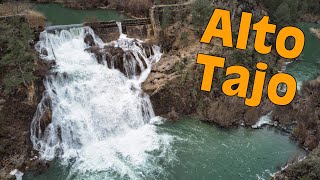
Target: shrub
<point>201,13</point>
<point>139,7</point>
<point>166,18</point>
<point>17,61</point>
<point>184,37</point>
<point>35,18</point>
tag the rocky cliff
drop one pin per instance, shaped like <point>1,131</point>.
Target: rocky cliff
<point>175,81</point>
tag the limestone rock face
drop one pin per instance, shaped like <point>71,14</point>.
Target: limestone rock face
<point>174,83</point>
<point>116,58</point>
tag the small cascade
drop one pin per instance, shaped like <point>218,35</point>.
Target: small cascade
<point>101,119</point>
<point>120,30</point>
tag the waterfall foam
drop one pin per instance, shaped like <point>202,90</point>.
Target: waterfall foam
<point>100,117</point>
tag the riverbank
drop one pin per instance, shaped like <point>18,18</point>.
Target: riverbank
<point>17,110</point>
<point>310,18</point>
<point>308,168</point>
<point>21,89</point>
<point>315,32</point>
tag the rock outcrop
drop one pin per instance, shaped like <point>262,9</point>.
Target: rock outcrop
<point>175,81</point>
<point>316,32</point>
<point>302,116</point>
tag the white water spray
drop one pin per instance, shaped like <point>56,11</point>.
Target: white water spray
<point>100,117</point>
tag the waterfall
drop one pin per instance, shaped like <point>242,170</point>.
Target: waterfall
<point>101,119</point>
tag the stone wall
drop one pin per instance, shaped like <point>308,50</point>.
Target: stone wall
<point>134,28</point>
<point>144,28</point>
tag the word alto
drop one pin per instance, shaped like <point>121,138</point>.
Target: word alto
<point>262,28</point>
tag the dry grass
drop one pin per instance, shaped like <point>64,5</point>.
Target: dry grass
<point>35,18</point>
<point>13,8</point>
<point>139,8</point>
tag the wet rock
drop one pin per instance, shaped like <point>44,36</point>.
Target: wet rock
<point>44,52</point>
<point>35,164</point>
<point>147,46</point>
<point>43,67</point>
<point>173,115</point>
<point>89,40</point>
<point>46,119</point>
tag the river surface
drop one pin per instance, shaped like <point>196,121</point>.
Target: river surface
<point>202,151</point>
<point>308,65</point>
<point>103,126</point>
<point>56,14</point>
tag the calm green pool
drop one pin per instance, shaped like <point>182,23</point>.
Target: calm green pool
<point>56,14</point>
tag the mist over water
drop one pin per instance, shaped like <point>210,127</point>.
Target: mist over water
<point>100,116</point>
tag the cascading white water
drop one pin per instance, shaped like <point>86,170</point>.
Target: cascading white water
<point>100,117</point>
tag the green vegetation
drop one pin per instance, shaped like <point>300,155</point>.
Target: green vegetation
<point>288,11</point>
<point>167,18</point>
<point>184,37</point>
<point>16,56</point>
<point>201,13</point>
